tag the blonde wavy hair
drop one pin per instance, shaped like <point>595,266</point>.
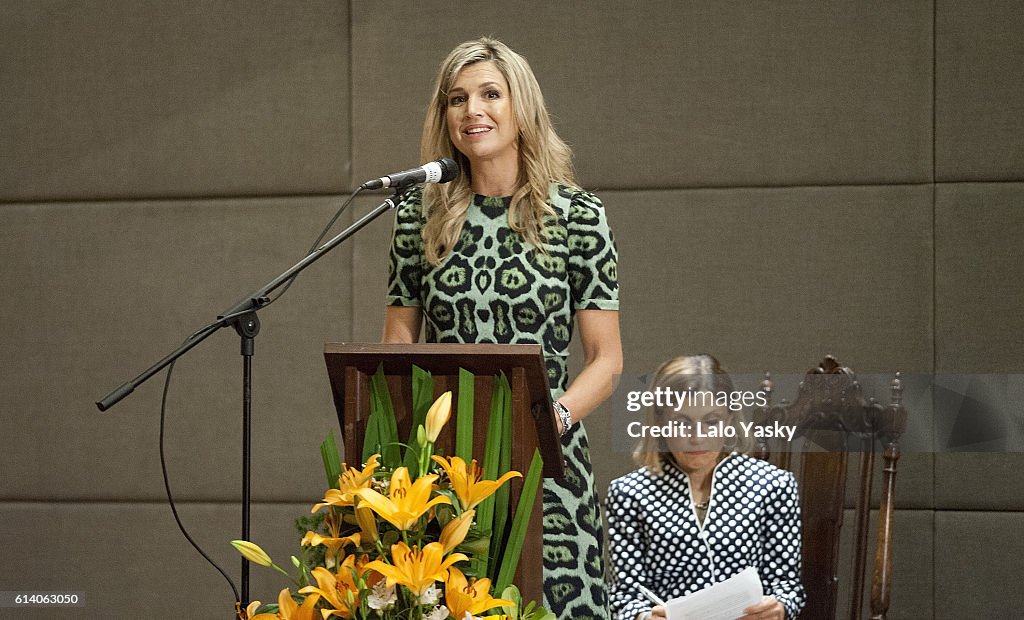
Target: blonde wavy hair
<point>543,156</point>
<point>696,373</point>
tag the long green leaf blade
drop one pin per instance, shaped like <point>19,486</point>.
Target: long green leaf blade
<point>371,438</point>
<point>464,417</point>
<point>501,496</point>
<point>331,459</point>
<point>492,452</point>
<point>422,398</point>
<point>517,535</point>
<point>387,427</point>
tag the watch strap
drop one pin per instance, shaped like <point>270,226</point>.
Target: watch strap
<point>563,415</point>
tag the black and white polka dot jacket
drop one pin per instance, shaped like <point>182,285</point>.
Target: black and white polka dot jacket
<point>656,541</point>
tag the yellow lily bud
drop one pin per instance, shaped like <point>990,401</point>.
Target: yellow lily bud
<point>438,415</point>
<point>252,552</point>
<point>455,532</point>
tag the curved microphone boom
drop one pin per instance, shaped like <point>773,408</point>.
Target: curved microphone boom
<point>440,171</point>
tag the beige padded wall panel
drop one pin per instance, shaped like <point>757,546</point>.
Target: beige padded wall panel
<point>979,277</point>
<point>977,554</point>
<point>776,278</point>
<point>96,293</point>
<point>994,479</point>
<point>125,99</point>
<point>672,94</point>
<point>979,90</point>
<point>130,560</point>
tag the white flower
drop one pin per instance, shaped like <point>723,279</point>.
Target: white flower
<point>382,596</point>
<point>430,596</point>
<point>437,613</point>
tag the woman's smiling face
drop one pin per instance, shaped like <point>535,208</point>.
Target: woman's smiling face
<point>481,121</point>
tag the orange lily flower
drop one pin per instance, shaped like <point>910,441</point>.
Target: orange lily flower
<point>340,590</point>
<point>466,482</point>
<point>288,609</point>
<point>416,569</point>
<point>462,597</point>
<point>408,501</point>
<point>349,481</point>
<point>334,545</point>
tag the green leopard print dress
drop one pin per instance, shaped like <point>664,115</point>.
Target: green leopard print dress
<point>494,288</point>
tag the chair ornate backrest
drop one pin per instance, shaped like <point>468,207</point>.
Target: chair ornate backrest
<point>833,420</point>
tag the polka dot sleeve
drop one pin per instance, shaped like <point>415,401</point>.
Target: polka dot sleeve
<point>627,554</point>
<point>780,566</point>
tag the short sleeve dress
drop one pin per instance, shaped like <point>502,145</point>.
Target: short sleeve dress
<point>495,288</point>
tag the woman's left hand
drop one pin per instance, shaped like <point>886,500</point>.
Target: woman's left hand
<point>768,609</point>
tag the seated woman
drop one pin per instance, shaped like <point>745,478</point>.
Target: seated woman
<point>699,511</point>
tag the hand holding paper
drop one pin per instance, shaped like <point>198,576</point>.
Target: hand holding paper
<point>770,608</point>
<point>725,600</point>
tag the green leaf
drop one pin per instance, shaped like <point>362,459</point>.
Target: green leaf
<point>492,456</point>
<point>386,426</point>
<point>331,459</point>
<point>371,439</point>
<point>422,398</point>
<point>464,417</point>
<point>539,614</point>
<point>517,535</point>
<point>511,593</point>
<point>501,496</point>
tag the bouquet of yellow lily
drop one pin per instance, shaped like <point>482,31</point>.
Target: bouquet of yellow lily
<point>418,536</point>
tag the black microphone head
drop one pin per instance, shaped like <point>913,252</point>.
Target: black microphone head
<point>449,169</point>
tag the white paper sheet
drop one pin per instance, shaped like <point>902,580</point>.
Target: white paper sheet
<point>725,600</point>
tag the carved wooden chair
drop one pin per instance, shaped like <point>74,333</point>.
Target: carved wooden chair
<point>835,421</point>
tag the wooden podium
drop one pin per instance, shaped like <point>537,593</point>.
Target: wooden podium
<point>350,366</point>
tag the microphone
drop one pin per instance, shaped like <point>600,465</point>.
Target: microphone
<point>440,171</point>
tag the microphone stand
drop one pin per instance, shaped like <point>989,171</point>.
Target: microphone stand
<point>242,317</point>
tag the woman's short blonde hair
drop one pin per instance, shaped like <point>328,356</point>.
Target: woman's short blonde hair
<point>543,157</point>
<point>691,373</point>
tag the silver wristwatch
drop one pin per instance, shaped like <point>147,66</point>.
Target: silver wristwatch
<point>563,415</point>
